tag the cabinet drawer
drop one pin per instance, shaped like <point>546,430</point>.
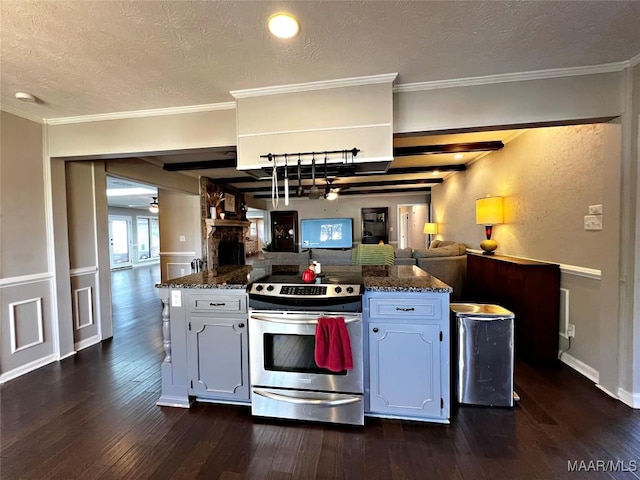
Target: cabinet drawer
<point>428,308</point>
<point>214,303</point>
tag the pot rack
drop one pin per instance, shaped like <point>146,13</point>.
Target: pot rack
<point>298,155</point>
<point>272,157</point>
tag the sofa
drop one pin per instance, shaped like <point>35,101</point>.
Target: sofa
<point>446,261</point>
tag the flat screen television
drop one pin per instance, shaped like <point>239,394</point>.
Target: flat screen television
<point>326,232</point>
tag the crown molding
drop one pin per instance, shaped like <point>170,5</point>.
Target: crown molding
<point>21,114</point>
<point>310,86</point>
<point>154,112</point>
<point>512,77</point>
<point>635,60</point>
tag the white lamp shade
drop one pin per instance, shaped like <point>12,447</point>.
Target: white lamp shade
<point>430,228</point>
<point>489,211</point>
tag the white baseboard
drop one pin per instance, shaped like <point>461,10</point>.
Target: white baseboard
<point>607,391</point>
<point>628,398</point>
<point>581,367</point>
<point>89,342</point>
<point>29,367</point>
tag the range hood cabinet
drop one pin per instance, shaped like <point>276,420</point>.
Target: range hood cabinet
<point>319,116</point>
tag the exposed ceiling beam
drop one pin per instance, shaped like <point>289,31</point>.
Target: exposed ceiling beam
<point>360,192</point>
<point>433,168</point>
<point>202,165</point>
<point>332,169</point>
<point>293,186</point>
<point>449,148</point>
<point>391,171</point>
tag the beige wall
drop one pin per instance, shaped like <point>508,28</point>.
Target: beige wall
<point>509,103</point>
<point>112,138</point>
<point>179,217</point>
<point>81,215</point>
<point>548,178</point>
<point>27,299</point>
<point>630,336</point>
<point>22,190</point>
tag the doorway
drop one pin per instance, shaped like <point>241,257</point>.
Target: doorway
<point>411,220</point>
<point>120,242</point>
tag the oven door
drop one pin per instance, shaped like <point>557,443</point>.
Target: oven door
<point>282,348</point>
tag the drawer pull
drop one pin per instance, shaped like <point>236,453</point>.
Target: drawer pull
<point>375,329</point>
<point>241,325</point>
<point>217,304</point>
<point>401,309</point>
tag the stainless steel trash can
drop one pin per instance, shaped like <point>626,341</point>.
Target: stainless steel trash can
<point>485,362</point>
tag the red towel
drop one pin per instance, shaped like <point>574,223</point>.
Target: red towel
<point>333,346</point>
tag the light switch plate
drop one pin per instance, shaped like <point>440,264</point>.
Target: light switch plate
<point>176,298</point>
<point>593,222</point>
<point>183,238</point>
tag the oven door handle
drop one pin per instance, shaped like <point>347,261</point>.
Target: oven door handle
<point>298,320</point>
<point>307,401</point>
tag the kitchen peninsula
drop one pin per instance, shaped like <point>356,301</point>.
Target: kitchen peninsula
<point>404,335</point>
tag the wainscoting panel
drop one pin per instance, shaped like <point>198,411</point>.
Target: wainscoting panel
<point>86,325</point>
<point>83,307</point>
<point>26,325</point>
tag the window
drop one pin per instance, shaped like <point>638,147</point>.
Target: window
<point>148,238</point>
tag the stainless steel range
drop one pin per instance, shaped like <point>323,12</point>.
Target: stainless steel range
<point>286,381</point>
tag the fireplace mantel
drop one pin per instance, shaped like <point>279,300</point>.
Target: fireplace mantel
<point>213,224</point>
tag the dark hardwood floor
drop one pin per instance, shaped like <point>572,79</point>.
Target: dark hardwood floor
<point>94,416</point>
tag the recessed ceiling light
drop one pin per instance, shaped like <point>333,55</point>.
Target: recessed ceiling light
<point>458,156</point>
<point>435,172</point>
<point>283,25</point>
<point>26,97</point>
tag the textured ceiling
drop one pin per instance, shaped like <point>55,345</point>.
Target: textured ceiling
<point>92,57</point>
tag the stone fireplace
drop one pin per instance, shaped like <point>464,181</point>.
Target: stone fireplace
<point>225,242</point>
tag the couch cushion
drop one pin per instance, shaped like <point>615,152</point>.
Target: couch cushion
<point>286,258</point>
<point>403,252</point>
<point>331,257</point>
<point>449,251</point>
<point>440,243</point>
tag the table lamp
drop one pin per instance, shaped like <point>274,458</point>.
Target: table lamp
<point>430,229</point>
<point>489,212</point>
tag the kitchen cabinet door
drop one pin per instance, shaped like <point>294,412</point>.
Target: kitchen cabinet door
<point>218,363</point>
<point>404,362</point>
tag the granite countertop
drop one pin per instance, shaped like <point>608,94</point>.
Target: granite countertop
<point>376,278</point>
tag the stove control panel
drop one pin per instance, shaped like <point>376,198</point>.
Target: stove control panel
<point>305,291</point>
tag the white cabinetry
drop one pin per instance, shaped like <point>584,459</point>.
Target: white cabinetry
<point>408,355</point>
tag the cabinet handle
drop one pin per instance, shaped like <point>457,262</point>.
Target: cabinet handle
<point>401,309</point>
<point>217,304</point>
<point>375,330</point>
<point>241,325</point>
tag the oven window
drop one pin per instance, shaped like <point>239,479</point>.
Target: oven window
<point>292,353</point>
